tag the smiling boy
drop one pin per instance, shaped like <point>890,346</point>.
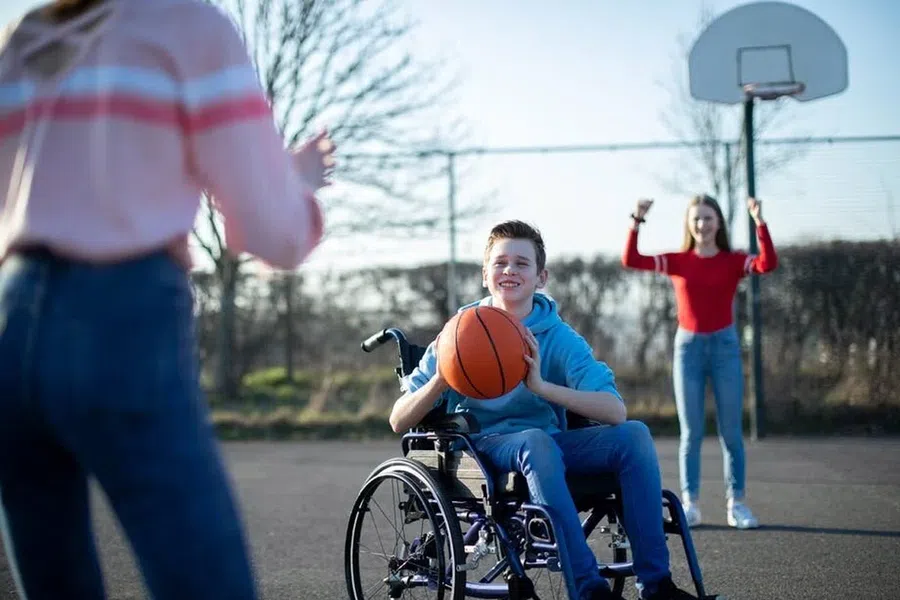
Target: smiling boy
<point>525,430</point>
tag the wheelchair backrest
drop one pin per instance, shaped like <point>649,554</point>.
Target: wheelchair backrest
<point>415,355</point>
<point>410,355</point>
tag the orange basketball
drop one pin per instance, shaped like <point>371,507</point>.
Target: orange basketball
<point>480,352</point>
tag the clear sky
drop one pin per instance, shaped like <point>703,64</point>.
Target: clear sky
<point>534,72</point>
<point>580,72</point>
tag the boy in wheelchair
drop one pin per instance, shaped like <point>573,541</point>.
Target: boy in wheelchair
<point>525,431</point>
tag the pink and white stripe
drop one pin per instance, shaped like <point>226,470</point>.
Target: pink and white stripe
<point>159,113</point>
<point>143,95</point>
<point>662,263</point>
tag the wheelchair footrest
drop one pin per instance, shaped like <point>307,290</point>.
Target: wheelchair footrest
<point>617,570</point>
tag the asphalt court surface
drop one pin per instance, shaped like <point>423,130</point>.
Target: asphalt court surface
<point>830,510</point>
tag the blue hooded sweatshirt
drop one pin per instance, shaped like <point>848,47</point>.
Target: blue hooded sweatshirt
<point>566,360</point>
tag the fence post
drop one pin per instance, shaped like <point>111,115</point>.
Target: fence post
<point>451,265</point>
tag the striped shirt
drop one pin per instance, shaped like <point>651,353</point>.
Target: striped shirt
<point>109,138</point>
<point>704,286</point>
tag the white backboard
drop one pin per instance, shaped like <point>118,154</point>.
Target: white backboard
<point>767,45</point>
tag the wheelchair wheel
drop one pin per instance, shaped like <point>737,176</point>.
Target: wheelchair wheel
<point>403,538</point>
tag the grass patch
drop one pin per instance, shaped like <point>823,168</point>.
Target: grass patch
<point>285,424</point>
<point>355,405</point>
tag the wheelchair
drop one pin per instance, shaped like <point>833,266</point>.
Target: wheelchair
<point>475,534</point>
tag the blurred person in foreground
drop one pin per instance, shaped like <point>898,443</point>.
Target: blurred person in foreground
<point>115,116</point>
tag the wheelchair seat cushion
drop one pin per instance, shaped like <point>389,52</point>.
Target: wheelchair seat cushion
<point>588,490</point>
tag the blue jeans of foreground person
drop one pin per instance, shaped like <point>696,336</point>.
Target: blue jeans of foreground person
<point>99,379</point>
<point>715,356</point>
<point>626,450</point>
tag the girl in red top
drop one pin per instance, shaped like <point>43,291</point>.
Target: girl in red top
<point>705,275</point>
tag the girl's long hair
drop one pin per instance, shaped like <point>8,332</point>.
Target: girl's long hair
<point>63,10</point>
<point>722,242</point>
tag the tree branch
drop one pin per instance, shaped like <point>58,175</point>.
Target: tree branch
<point>349,63</point>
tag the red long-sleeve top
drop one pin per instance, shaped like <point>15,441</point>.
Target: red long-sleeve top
<point>704,286</point>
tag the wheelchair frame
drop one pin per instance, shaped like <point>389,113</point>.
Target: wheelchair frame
<point>460,486</point>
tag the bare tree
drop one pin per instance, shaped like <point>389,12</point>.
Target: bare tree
<point>588,292</point>
<point>717,160</point>
<point>348,64</point>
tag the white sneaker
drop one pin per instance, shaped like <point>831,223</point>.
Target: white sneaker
<point>691,512</point>
<point>739,516</point>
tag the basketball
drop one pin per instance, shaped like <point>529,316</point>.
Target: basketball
<point>480,352</point>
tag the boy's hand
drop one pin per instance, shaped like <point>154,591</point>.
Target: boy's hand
<point>533,379</point>
<point>439,382</point>
<point>314,160</point>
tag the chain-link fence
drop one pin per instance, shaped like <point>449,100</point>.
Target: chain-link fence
<point>831,313</point>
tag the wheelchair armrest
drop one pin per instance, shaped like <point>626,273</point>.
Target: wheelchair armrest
<point>576,421</point>
<point>450,422</point>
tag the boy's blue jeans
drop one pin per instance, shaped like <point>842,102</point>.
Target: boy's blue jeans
<point>715,356</point>
<point>99,379</point>
<point>627,450</point>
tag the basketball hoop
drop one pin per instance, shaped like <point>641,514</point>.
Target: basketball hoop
<point>765,50</point>
<point>800,56</point>
<point>771,91</point>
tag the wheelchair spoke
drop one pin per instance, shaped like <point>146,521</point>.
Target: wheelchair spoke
<point>412,565</point>
<point>376,587</point>
<point>393,523</point>
<point>400,536</point>
<point>379,539</point>
<point>375,525</point>
<point>381,554</point>
<point>548,584</point>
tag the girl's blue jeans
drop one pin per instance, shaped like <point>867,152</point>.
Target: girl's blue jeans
<point>626,450</point>
<point>716,357</point>
<point>99,379</point>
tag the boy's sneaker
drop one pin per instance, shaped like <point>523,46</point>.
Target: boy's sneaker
<point>691,512</point>
<point>666,590</point>
<point>739,516</point>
